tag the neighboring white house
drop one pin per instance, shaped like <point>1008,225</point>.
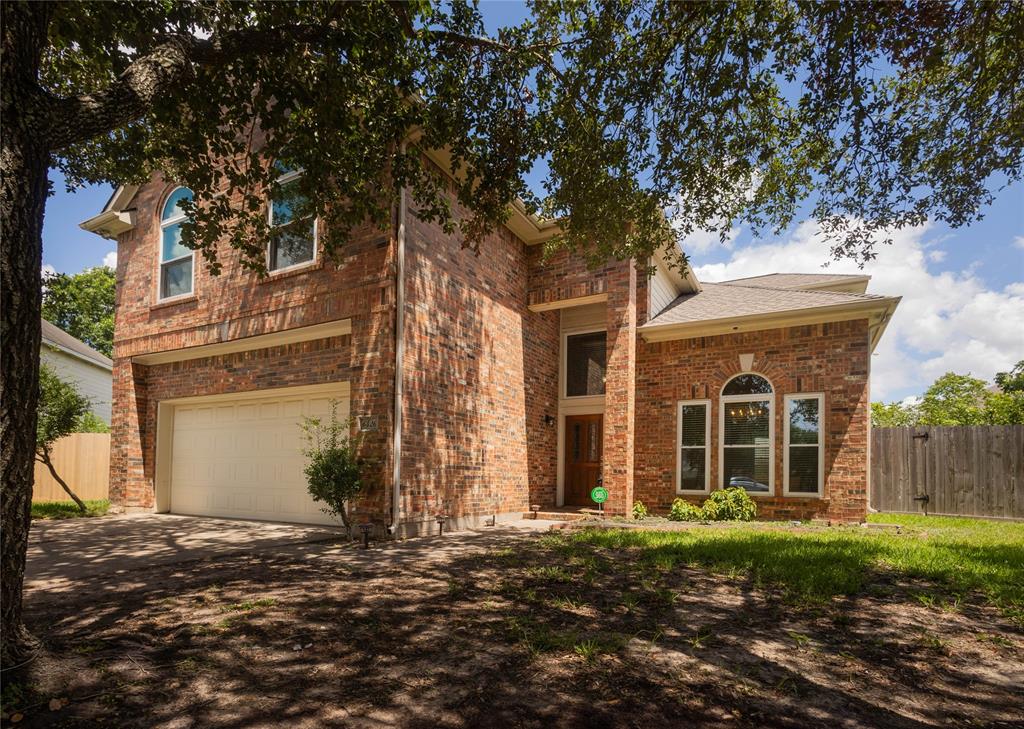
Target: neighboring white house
<point>76,362</point>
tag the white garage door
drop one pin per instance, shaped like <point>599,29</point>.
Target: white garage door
<point>242,458</point>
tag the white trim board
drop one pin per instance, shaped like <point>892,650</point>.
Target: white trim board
<point>820,397</point>
<point>244,344</point>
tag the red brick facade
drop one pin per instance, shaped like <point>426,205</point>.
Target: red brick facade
<point>237,304</point>
<point>480,373</point>
<point>833,359</point>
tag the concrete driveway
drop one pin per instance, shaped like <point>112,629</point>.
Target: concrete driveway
<point>115,552</point>
<point>61,552</point>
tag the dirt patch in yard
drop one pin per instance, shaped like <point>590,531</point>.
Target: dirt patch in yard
<point>533,631</point>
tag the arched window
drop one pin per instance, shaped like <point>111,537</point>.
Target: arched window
<point>747,385</point>
<point>176,261</point>
<point>292,224</point>
<point>747,433</point>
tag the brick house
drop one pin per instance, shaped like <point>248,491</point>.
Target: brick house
<point>482,383</point>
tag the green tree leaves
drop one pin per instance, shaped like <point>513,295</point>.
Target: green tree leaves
<point>959,400</point>
<point>82,304</point>
<point>61,409</point>
<point>872,116</point>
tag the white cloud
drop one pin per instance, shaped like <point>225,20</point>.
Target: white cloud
<point>947,321</point>
<point>110,260</point>
<point>937,256</point>
<point>47,268</point>
<point>1019,241</point>
<point>702,241</point>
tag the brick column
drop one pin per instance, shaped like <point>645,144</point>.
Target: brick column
<point>620,387</point>
<point>130,484</point>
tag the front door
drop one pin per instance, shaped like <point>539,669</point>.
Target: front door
<point>584,437</point>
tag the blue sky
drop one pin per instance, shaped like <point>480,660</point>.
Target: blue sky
<point>963,290</point>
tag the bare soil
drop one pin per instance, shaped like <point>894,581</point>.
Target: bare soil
<point>511,632</point>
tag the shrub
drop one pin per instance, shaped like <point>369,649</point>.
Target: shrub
<point>639,510</point>
<point>731,504</point>
<point>334,472</point>
<point>685,511</point>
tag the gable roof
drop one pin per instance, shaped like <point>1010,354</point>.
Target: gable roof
<point>852,283</point>
<point>56,337</point>
<point>723,308</point>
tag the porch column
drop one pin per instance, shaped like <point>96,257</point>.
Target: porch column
<point>620,387</point>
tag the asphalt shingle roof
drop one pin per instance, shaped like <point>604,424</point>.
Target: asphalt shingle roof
<point>727,300</point>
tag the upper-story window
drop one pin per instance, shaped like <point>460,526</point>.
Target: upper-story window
<point>585,357</point>
<point>747,432</point>
<point>176,261</point>
<point>292,224</point>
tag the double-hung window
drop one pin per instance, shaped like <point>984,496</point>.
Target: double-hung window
<point>746,452</point>
<point>176,261</point>
<point>693,470</point>
<point>803,454</point>
<point>292,223</point>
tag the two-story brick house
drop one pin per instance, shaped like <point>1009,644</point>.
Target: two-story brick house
<point>482,383</point>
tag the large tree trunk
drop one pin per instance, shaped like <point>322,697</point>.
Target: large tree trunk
<point>24,159</point>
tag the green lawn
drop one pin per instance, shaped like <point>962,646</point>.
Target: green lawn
<point>952,556</point>
<point>67,509</point>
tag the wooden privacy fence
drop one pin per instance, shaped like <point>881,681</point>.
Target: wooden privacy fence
<point>83,461</point>
<point>970,470</point>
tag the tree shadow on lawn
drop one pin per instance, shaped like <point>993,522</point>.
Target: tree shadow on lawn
<point>526,632</point>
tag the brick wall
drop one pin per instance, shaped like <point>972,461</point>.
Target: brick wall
<point>563,275</point>
<point>237,303</point>
<point>829,358</point>
<point>481,371</point>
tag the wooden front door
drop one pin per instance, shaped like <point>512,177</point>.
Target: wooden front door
<point>584,438</point>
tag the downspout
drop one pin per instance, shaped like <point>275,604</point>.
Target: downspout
<point>396,482</point>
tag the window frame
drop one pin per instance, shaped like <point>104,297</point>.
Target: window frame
<point>820,493</point>
<point>707,446</point>
<point>161,263</point>
<point>283,179</point>
<point>565,362</point>
<point>723,400</point>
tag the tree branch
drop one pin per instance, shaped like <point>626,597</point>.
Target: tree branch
<point>173,60</point>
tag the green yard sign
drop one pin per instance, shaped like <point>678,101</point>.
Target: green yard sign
<point>599,494</point>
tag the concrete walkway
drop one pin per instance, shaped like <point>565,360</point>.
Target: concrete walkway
<point>64,553</point>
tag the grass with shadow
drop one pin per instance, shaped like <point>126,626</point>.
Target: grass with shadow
<point>68,509</point>
<point>958,556</point>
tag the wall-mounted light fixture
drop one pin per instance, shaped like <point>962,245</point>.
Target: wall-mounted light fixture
<point>549,420</point>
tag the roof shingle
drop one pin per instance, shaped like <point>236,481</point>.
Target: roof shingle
<point>727,300</point>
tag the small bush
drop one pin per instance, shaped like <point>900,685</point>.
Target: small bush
<point>334,472</point>
<point>685,511</point>
<point>731,504</point>
<point>639,510</point>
